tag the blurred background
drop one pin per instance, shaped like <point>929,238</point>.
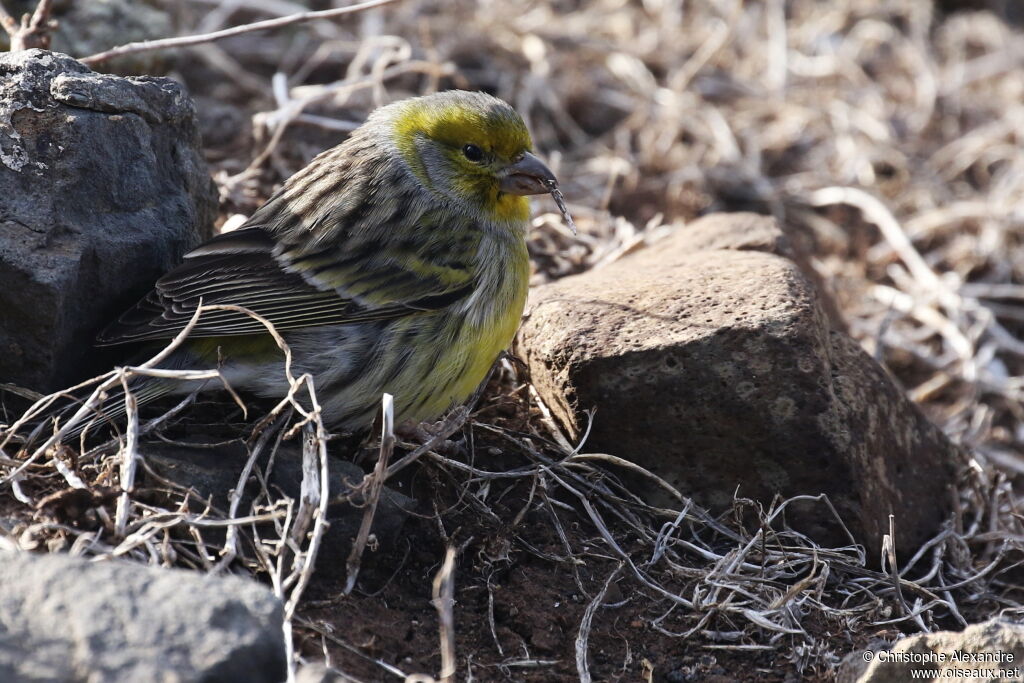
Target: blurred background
<point>883,135</point>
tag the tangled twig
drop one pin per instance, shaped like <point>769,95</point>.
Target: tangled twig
<point>186,41</point>
<point>33,30</point>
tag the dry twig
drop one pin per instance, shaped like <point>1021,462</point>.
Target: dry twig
<point>186,41</point>
<point>33,30</point>
<point>373,484</point>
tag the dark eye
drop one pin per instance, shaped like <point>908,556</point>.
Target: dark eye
<point>473,153</point>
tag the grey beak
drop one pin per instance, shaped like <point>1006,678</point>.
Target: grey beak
<point>529,175</point>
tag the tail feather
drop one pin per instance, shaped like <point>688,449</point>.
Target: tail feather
<point>114,407</point>
<point>54,417</point>
<point>110,410</point>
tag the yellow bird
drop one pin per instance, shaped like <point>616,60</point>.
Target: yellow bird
<point>395,262</point>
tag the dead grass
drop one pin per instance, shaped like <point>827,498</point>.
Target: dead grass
<point>883,136</point>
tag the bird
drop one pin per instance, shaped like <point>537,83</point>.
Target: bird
<point>394,262</point>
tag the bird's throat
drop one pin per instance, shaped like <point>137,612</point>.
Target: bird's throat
<point>510,208</point>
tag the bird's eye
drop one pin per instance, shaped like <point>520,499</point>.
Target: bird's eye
<point>473,153</point>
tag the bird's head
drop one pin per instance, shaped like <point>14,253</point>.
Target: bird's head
<point>473,149</point>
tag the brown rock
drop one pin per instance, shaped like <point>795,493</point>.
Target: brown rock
<point>718,371</point>
<point>994,645</point>
<point>735,232</point>
<point>751,232</point>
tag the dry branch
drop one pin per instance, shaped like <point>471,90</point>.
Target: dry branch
<point>186,41</point>
<point>34,29</point>
<point>444,603</point>
<point>372,485</point>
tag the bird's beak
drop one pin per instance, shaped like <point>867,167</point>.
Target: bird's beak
<point>529,175</point>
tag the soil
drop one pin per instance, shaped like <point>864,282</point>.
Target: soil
<point>518,608</point>
<point>521,593</point>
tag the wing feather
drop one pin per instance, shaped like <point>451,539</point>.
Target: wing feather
<point>249,268</point>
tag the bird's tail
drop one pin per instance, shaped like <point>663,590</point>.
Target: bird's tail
<point>63,416</point>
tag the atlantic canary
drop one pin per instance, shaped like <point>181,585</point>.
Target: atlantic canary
<point>395,262</point>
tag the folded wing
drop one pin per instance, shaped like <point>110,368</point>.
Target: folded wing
<point>291,288</point>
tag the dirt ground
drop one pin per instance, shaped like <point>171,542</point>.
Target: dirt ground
<point>519,601</point>
<point>524,583</point>
<point>535,605</point>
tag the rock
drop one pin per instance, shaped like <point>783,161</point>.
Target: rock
<point>975,654</point>
<point>745,231</point>
<point>104,187</point>
<point>853,664</point>
<point>734,232</point>
<point>212,474</point>
<point>68,619</point>
<point>718,371</point>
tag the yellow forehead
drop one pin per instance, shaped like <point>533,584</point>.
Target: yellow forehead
<point>462,118</point>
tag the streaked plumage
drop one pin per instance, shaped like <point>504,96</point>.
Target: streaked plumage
<point>394,262</point>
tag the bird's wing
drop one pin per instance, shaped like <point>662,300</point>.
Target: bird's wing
<point>347,282</point>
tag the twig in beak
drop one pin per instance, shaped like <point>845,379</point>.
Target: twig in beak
<point>556,194</point>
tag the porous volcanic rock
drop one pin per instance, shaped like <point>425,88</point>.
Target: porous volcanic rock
<point>744,231</point>
<point>735,232</point>
<point>102,188</point>
<point>68,619</point>
<point>718,370</point>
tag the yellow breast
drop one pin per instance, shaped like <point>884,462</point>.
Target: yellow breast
<point>480,333</point>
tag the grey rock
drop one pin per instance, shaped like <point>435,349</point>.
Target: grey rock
<point>854,664</point>
<point>102,188</point>
<point>67,619</point>
<point>719,371</point>
<point>157,100</point>
<point>973,654</point>
<point>213,473</point>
